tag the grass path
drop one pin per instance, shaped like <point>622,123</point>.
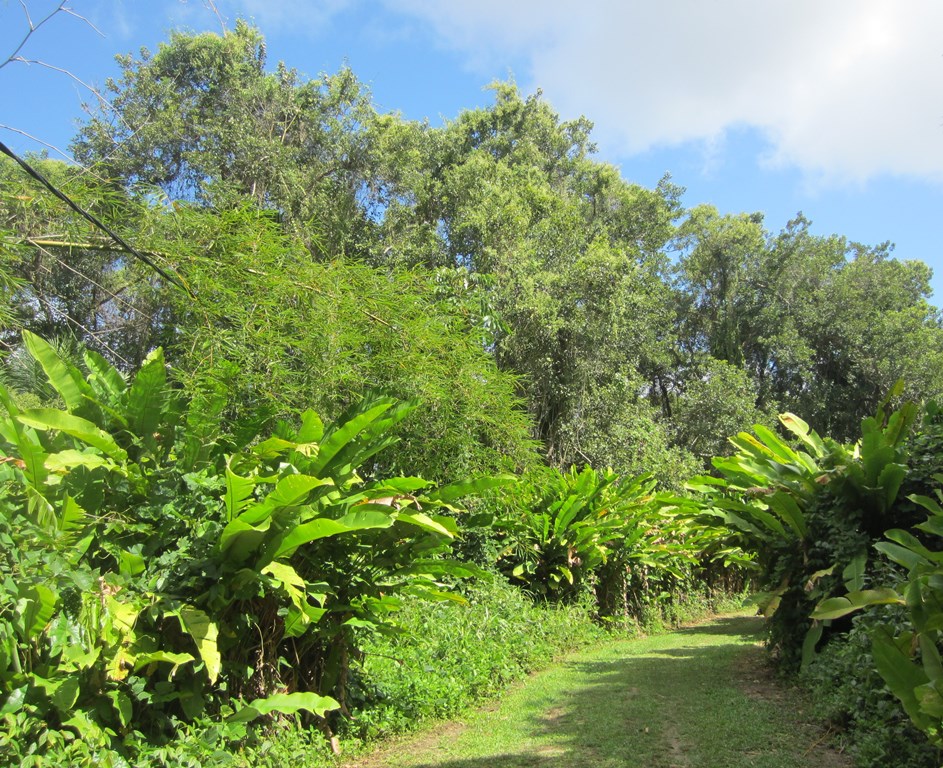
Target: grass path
<point>699,697</point>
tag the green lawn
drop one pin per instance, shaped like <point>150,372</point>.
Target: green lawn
<point>699,697</point>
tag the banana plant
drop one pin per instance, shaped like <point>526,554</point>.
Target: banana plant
<point>764,492</point>
<point>563,527</point>
<point>910,660</point>
<point>289,538</point>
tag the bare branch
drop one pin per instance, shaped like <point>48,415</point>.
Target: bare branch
<point>30,136</point>
<point>211,6</point>
<point>80,17</point>
<point>32,28</point>
<point>67,73</point>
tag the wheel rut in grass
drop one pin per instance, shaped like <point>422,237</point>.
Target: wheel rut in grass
<point>699,697</point>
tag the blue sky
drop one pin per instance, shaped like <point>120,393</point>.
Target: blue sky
<point>833,109</point>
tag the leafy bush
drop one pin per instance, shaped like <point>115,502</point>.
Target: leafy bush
<point>808,514</point>
<point>850,695</point>
<point>155,569</point>
<point>453,655</point>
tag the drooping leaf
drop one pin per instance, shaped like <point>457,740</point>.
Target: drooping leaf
<point>204,633</point>
<point>75,426</point>
<point>323,527</point>
<point>66,460</point>
<point>836,607</point>
<point>238,492</point>
<point>811,640</point>
<point>900,673</point>
<point>65,378</point>
<point>455,491</point>
<point>286,703</point>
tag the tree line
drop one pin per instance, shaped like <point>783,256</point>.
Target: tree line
<point>634,333</point>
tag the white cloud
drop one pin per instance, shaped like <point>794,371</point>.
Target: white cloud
<point>844,89</point>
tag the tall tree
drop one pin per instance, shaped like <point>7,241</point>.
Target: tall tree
<point>203,119</point>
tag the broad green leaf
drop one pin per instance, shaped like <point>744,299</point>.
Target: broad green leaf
<point>323,527</point>
<point>890,480</point>
<point>123,615</point>
<point>853,574</point>
<point>302,612</point>
<point>397,485</point>
<point>929,504</point>
<point>239,539</point>
<point>27,443</point>
<point>75,426</point>
<point>812,638</point>
<point>106,379</point>
<point>123,706</point>
<point>900,422</point>
<point>285,574</point>
<point>71,516</point>
<point>786,507</point>
<point>425,522</point>
<point>777,446</point>
<point>142,660</point>
<point>146,396</point>
<point>34,610</point>
<point>272,447</point>
<point>14,701</point>
<point>130,563</point>
<point>66,694</point>
<point>65,378</point>
<point>294,489</point>
<point>443,567</point>
<point>204,633</point>
<point>238,492</point>
<point>911,542</point>
<point>368,516</point>
<point>933,524</point>
<point>900,555</point>
<point>902,676</point>
<point>454,491</point>
<point>930,657</point>
<point>801,430</point>
<point>286,703</point>
<point>931,700</point>
<point>335,441</point>
<point>311,430</point>
<point>69,459</point>
<point>836,607</point>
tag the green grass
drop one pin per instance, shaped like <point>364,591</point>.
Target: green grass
<point>698,697</point>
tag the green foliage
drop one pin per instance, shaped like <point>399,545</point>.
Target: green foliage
<point>562,526</point>
<point>823,327</point>
<point>907,655</point>
<point>452,655</point>
<point>808,514</point>
<point>296,334</point>
<point>202,118</point>
<point>566,536</point>
<point>850,694</point>
<point>285,549</point>
<point>70,282</point>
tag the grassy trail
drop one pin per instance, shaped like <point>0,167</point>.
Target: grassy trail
<point>699,697</point>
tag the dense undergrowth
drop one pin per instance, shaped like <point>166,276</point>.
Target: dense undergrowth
<point>846,541</point>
